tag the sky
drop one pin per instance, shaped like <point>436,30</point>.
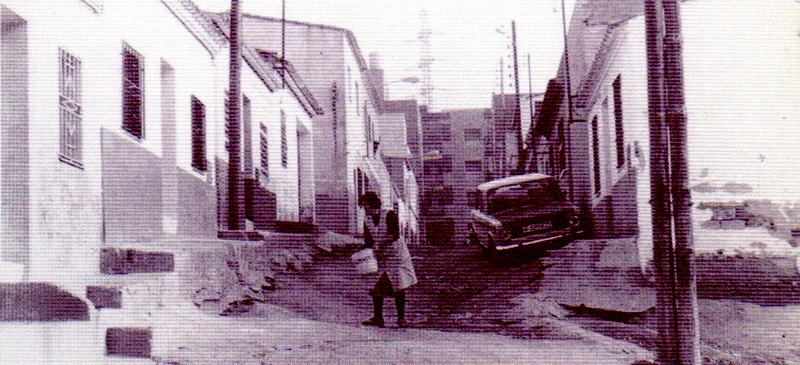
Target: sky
<point>468,39</point>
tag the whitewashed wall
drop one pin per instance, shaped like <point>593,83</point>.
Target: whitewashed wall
<point>742,77</point>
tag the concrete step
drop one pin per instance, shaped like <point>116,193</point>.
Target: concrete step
<point>115,360</point>
<point>50,343</point>
<point>134,308</point>
<point>129,342</point>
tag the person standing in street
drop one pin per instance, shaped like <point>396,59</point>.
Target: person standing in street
<point>395,269</point>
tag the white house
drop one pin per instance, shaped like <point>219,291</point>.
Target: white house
<point>345,160</point>
<point>113,135</point>
<point>742,77</point>
<point>277,140</point>
<point>107,115</point>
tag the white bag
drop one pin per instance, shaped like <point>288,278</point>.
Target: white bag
<point>365,261</point>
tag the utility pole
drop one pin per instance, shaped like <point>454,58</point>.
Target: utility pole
<point>426,60</point>
<point>686,289</point>
<point>532,147</point>
<point>283,44</point>
<point>517,107</point>
<point>673,254</point>
<point>562,140</point>
<point>502,89</point>
<point>498,117</point>
<point>498,163</point>
<point>234,76</point>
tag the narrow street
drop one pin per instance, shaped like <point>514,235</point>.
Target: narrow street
<point>457,290</point>
<point>458,313</point>
<point>461,291</point>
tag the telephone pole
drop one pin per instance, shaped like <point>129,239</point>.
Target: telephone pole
<point>532,146</point>
<point>425,60</point>
<point>234,76</point>
<point>673,252</point>
<point>517,107</point>
<point>283,44</point>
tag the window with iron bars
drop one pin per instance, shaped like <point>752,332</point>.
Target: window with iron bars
<point>132,91</point>
<point>199,135</point>
<point>70,111</point>
<point>264,153</point>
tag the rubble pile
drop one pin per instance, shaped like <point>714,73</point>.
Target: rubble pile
<point>233,278</point>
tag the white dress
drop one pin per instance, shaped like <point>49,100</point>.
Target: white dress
<point>393,256</point>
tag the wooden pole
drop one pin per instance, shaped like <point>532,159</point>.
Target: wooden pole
<point>520,168</point>
<point>678,341</point>
<point>235,197</point>
<point>685,284</point>
<point>283,44</point>
<point>532,148</point>
<point>562,140</point>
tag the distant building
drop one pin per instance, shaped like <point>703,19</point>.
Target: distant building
<point>502,154</point>
<point>454,164</point>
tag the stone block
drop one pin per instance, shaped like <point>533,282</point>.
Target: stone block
<point>129,261</point>
<point>128,341</point>
<point>104,297</point>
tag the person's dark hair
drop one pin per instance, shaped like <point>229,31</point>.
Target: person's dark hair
<point>370,199</point>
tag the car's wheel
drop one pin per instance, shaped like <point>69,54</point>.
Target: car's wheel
<point>490,251</point>
<point>484,249</point>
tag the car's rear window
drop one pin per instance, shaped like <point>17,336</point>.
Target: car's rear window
<point>523,194</point>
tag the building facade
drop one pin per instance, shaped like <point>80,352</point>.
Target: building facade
<point>346,142</point>
<point>510,114</point>
<point>735,103</point>
<point>456,161</point>
<point>112,140</point>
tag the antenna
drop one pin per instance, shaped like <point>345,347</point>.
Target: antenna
<point>425,60</point>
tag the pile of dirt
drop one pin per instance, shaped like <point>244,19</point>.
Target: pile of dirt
<point>231,279</point>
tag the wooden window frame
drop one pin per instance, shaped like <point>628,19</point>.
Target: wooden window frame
<point>596,156</point>
<point>133,92</point>
<point>618,126</point>
<point>198,110</point>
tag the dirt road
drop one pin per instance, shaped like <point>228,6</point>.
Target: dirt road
<point>457,290</point>
<point>461,291</point>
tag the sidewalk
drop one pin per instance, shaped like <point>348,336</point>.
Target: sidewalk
<point>269,334</point>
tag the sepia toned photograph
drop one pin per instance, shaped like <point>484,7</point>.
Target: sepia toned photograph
<point>250,182</point>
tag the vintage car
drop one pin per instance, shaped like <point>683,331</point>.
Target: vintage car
<point>522,211</point>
